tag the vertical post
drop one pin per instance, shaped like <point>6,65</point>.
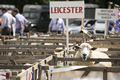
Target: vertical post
<point>83,27</point>
<point>36,74</point>
<point>47,74</point>
<point>14,74</point>
<point>105,75</point>
<point>3,39</point>
<point>116,6</point>
<point>17,36</point>
<point>106,28</point>
<point>39,72</point>
<point>67,40</point>
<point>33,70</point>
<point>18,78</point>
<point>109,7</point>
<point>64,57</point>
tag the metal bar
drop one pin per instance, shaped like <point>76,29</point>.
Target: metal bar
<point>31,46</point>
<point>108,69</point>
<point>18,57</point>
<point>50,38</point>
<point>29,50</point>
<point>14,67</point>
<point>90,59</point>
<point>19,61</point>
<point>53,41</point>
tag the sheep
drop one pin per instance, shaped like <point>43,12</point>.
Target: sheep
<point>86,51</point>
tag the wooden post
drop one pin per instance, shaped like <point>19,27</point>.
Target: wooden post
<point>82,27</point>
<point>55,60</point>
<point>109,7</point>
<point>29,32</point>
<point>47,74</point>
<point>27,35</point>
<point>105,75</point>
<point>17,36</point>
<point>13,78</point>
<point>14,74</point>
<point>116,6</point>
<point>3,39</point>
<point>18,78</point>
<point>36,74</point>
<point>64,57</point>
<point>33,69</point>
<point>39,72</point>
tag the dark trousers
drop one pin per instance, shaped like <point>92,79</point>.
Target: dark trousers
<point>6,31</point>
<point>59,32</point>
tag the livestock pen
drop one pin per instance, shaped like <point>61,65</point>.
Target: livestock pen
<point>110,45</point>
<point>22,72</point>
<point>16,52</point>
<point>42,62</point>
<point>15,56</point>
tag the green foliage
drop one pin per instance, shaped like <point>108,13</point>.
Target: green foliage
<point>20,3</point>
<point>97,1</point>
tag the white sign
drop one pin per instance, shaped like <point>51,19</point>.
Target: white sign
<point>66,9</point>
<point>106,14</point>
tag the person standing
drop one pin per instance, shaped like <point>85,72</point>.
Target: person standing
<point>118,23</point>
<point>57,25</point>
<point>13,27</point>
<point>20,22</point>
<point>7,22</point>
<point>111,28</point>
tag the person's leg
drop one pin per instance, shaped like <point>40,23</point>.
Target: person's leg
<point>59,32</point>
<point>11,33</point>
<point>21,32</point>
<point>6,31</point>
<point>17,31</point>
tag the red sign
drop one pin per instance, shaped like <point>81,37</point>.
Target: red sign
<point>118,13</point>
<point>66,10</point>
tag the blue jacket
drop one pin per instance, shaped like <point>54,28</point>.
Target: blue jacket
<point>109,29</point>
<point>118,23</point>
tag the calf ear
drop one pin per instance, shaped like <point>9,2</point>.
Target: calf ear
<point>94,48</point>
